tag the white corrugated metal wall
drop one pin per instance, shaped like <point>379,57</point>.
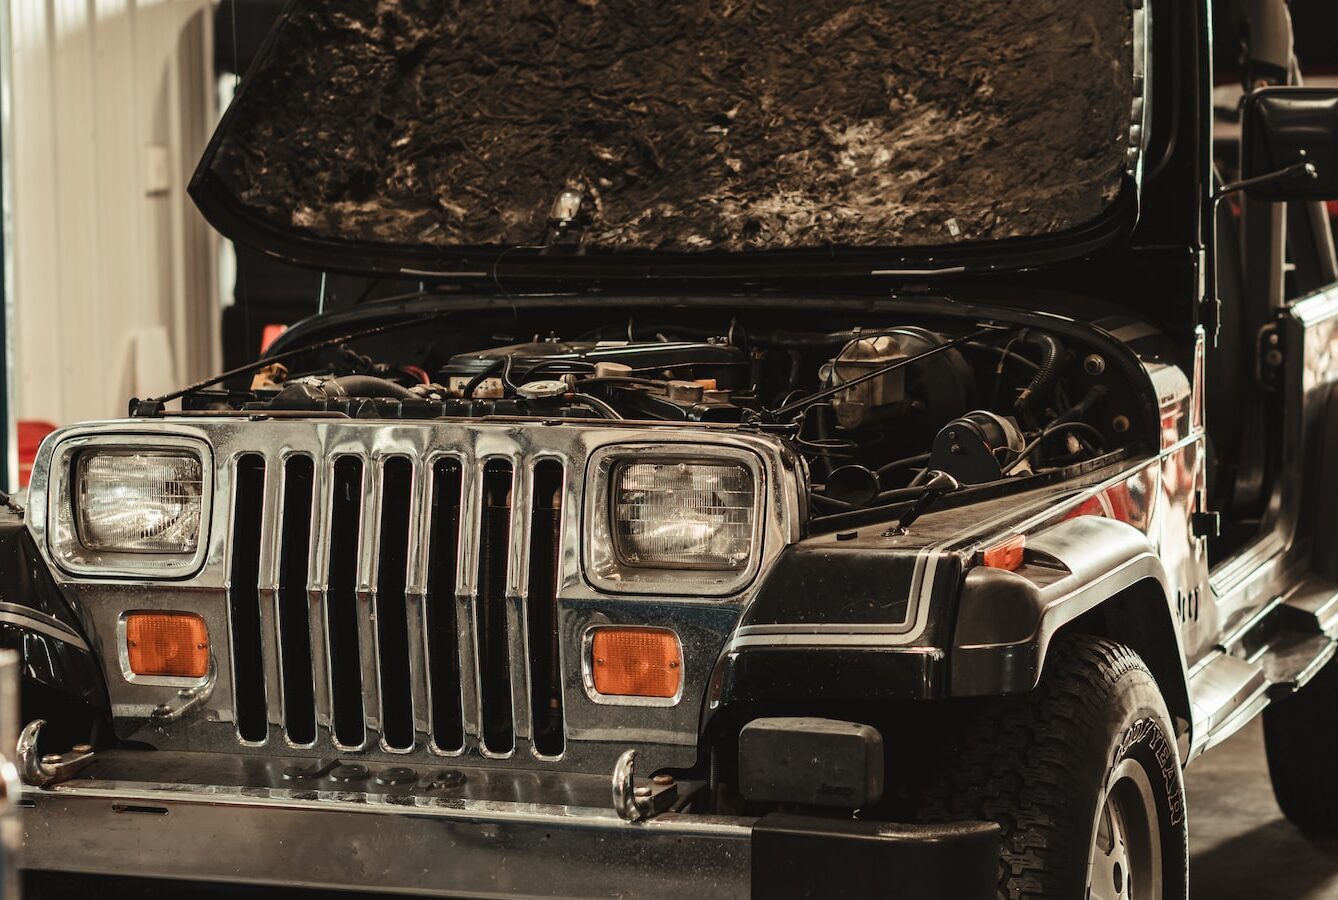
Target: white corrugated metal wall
<point>114,271</point>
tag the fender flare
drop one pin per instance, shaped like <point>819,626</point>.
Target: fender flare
<point>1005,621</point>
<point>62,680</point>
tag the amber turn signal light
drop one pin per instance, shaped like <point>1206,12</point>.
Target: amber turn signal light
<point>174,645</point>
<point>1007,555</point>
<point>636,662</point>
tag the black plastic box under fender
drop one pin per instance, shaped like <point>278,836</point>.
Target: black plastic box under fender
<point>816,762</point>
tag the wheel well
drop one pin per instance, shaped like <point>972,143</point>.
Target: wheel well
<point>1140,618</point>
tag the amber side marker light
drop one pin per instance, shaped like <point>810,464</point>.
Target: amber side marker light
<point>1006,555</point>
<point>172,645</point>
<point>636,662</point>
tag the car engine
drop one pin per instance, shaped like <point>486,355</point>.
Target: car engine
<point>878,412</point>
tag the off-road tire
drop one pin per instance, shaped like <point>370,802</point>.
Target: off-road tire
<point>1039,763</point>
<point>1300,734</point>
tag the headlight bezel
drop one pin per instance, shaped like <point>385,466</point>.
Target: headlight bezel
<point>64,543</point>
<point>607,573</point>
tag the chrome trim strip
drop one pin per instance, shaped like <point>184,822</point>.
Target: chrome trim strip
<point>415,603</point>
<point>271,523</point>
<point>471,519</point>
<point>1140,120</point>
<point>365,590</point>
<point>318,594</point>
<point>517,597</point>
<point>14,614</point>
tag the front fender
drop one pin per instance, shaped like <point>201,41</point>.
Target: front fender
<point>61,679</point>
<point>1006,619</point>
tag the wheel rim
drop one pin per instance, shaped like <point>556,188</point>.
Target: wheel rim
<point>1125,859</point>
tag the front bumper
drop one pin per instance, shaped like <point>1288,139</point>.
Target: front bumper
<point>494,834</point>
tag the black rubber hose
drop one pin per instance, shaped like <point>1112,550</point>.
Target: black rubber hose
<point>621,379</point>
<point>493,368</point>
<point>367,386</point>
<point>1043,382</point>
<point>907,463</point>
<point>1079,410</point>
<point>598,405</point>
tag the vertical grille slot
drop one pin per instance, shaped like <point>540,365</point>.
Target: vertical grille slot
<point>341,607</point>
<point>392,623</point>
<point>442,644</point>
<point>244,600</point>
<point>541,608</point>
<point>494,658</point>
<point>403,602</point>
<point>295,666</point>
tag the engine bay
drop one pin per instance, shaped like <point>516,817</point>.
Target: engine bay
<point>882,413</point>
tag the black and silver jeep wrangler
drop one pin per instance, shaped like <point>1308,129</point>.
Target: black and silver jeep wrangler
<point>819,449</point>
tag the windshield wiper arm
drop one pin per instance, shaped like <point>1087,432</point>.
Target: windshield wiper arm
<point>938,485</point>
<point>256,364</point>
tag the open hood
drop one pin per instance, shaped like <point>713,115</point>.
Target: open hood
<point>432,136</point>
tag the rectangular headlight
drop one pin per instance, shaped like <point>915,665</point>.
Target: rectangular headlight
<point>130,505</point>
<point>673,520</point>
<point>138,501</point>
<point>683,515</point>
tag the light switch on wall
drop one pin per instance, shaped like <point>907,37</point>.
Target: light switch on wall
<point>157,170</point>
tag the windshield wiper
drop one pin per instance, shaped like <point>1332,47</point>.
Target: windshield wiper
<point>938,485</point>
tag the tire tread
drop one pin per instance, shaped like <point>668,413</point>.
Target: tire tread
<point>1014,766</point>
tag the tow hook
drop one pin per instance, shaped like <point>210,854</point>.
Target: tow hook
<point>45,771</point>
<point>633,802</point>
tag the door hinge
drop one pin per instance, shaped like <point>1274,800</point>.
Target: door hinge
<point>1270,357</point>
<point>1206,524</point>
<point>1210,317</point>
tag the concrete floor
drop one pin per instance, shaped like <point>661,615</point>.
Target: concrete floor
<point>1240,845</point>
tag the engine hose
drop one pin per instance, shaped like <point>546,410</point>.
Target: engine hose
<point>598,405</point>
<point>1043,382</point>
<point>1079,410</point>
<point>366,386</point>
<point>493,368</point>
<point>907,463</point>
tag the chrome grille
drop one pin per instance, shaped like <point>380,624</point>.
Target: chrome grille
<point>344,636</point>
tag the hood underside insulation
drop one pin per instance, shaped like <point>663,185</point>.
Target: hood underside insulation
<point>720,125</point>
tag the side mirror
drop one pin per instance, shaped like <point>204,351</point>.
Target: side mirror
<point>1289,144</point>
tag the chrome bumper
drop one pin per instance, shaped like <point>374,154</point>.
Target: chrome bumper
<point>494,834</point>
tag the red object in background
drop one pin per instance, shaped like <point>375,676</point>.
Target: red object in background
<point>31,432</point>
<point>270,335</point>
